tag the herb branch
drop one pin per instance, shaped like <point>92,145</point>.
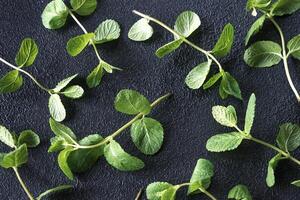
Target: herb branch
<point>268,53</point>
<point>146,133</point>
<point>186,23</point>
<point>288,138</point>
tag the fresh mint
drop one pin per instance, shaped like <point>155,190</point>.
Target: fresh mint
<point>147,134</point>
<point>268,53</point>
<point>13,80</point>
<point>18,156</point>
<point>55,16</point>
<point>288,138</point>
<point>185,25</point>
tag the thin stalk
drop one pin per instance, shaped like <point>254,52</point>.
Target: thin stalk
<point>139,194</point>
<point>125,126</point>
<point>208,194</point>
<point>26,73</point>
<point>85,31</point>
<point>30,196</point>
<point>207,53</point>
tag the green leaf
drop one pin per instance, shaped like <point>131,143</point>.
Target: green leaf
<point>201,177</point>
<point>57,144</point>
<point>84,7</point>
<point>140,30</point>
<point>168,48</point>
<point>63,131</point>
<point>288,138</point>
<point>186,23</point>
<point>54,190</point>
<point>197,76</point>
<point>56,108</point>
<point>296,183</point>
<point>63,162</point>
<point>6,137</point>
<point>76,44</point>
<point>294,47</point>
<point>250,114</point>
<point>11,82</point>
<point>263,54</point>
<point>27,53</point>
<point>170,194</point>
<point>83,159</point>
<point>156,189</point>
<point>224,44</point>
<point>107,31</point>
<point>224,142</point>
<point>62,84</point>
<point>74,92</point>
<point>239,192</point>
<point>121,160</point>
<point>230,86</point>
<point>285,7</point>
<point>251,4</point>
<point>28,137</point>
<point>55,14</point>
<point>15,158</point>
<point>94,78</point>
<point>132,102</point>
<point>222,92</point>
<point>255,28</point>
<point>147,134</point>
<point>107,67</point>
<point>270,179</point>
<point>226,116</point>
<point>212,80</point>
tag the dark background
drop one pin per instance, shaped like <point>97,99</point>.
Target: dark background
<point>186,117</point>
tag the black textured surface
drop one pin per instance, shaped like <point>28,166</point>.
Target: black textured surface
<point>186,117</point>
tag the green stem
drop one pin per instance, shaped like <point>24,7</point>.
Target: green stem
<point>125,126</point>
<point>26,73</point>
<point>208,194</point>
<point>85,32</point>
<point>207,53</point>
<point>30,196</point>
<point>139,194</point>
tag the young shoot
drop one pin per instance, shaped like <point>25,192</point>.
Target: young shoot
<point>18,156</point>
<point>187,22</point>
<point>55,16</point>
<point>288,138</point>
<point>268,53</point>
<point>146,133</point>
<point>13,80</point>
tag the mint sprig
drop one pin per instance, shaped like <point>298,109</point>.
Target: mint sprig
<point>55,16</point>
<point>288,138</point>
<point>186,24</point>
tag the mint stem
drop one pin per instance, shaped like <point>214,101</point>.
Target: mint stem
<point>207,53</point>
<point>30,196</point>
<point>208,194</point>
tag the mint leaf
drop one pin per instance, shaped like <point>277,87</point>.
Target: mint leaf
<point>54,190</point>
<point>294,47</point>
<point>147,134</point>
<point>285,7</point>
<point>224,44</point>
<point>76,44</point>
<point>186,23</point>
<point>239,192</point>
<point>121,160</point>
<point>6,137</point>
<point>55,14</point>
<point>224,142</point>
<point>94,78</point>
<point>15,158</point>
<point>251,4</point>
<point>212,80</point>
<point>296,183</point>
<point>83,159</point>
<point>230,86</point>
<point>57,144</point>
<point>156,189</point>
<point>197,76</point>
<point>107,31</point>
<point>107,67</point>
<point>28,137</point>
<point>168,48</point>
<point>250,114</point>
<point>62,84</point>
<point>73,92</point>
<point>11,82</point>
<point>201,177</point>
<point>56,108</point>
<point>27,53</point>
<point>270,179</point>
<point>63,131</point>
<point>63,164</point>
<point>132,102</point>
<point>140,30</point>
<point>263,54</point>
<point>84,7</point>
<point>226,116</point>
<point>288,138</point>
<point>170,193</point>
<point>255,28</point>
